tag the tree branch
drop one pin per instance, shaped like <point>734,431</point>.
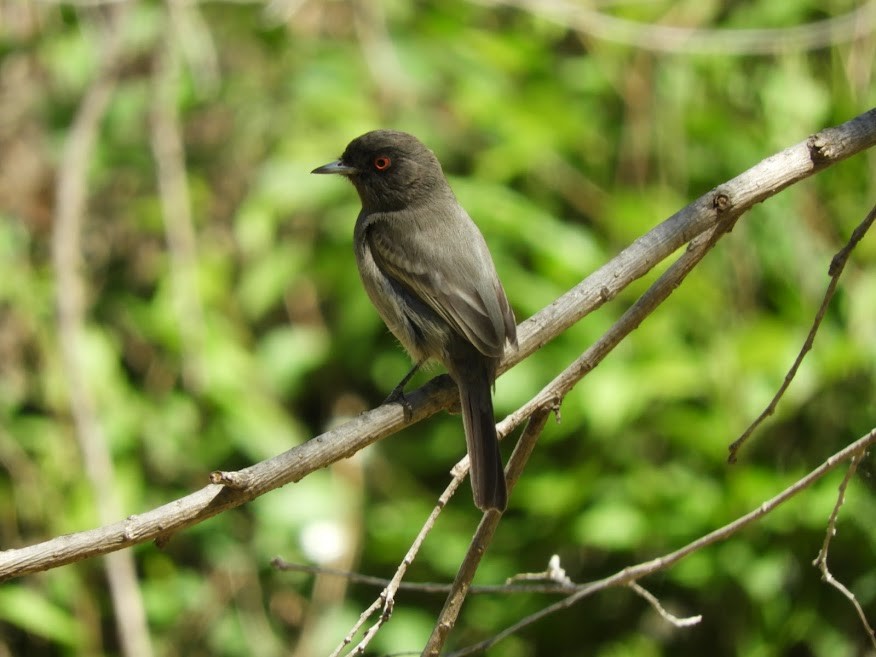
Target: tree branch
<point>637,572</point>
<point>836,269</point>
<point>168,152</point>
<point>672,619</point>
<point>727,41</point>
<point>820,561</point>
<point>481,540</point>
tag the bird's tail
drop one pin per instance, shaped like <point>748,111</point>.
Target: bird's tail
<point>487,473</point>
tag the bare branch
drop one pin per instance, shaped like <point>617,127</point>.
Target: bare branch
<point>737,196</point>
<point>554,573</point>
<point>637,572</point>
<point>665,615</point>
<point>665,38</point>
<point>820,561</point>
<point>551,395</point>
<point>386,601</point>
<point>482,538</point>
<point>360,623</point>
<point>548,582</point>
<point>836,269</point>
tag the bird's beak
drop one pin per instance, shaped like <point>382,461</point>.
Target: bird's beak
<point>337,166</point>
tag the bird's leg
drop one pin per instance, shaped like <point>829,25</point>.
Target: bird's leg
<point>398,393</point>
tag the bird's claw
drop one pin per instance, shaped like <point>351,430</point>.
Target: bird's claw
<point>397,396</point>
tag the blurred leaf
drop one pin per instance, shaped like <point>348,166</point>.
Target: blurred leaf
<point>33,612</point>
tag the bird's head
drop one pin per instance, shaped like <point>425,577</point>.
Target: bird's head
<point>390,169</point>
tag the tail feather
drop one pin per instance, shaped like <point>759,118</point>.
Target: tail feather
<point>487,474</point>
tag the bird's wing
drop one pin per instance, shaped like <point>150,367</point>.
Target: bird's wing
<point>444,262</point>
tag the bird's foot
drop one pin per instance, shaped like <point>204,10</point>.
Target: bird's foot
<point>397,396</point>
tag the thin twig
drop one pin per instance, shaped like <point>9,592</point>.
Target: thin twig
<point>386,601</point>
<point>637,572</point>
<point>548,581</point>
<point>661,610</point>
<point>554,573</point>
<point>358,625</point>
<point>837,264</point>
<point>820,561</point>
<point>482,538</point>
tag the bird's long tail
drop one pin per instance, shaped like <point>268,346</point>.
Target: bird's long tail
<point>487,473</point>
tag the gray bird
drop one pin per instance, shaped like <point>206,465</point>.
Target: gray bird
<point>428,271</point>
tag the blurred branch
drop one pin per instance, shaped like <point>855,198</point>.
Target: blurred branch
<point>176,207</point>
<point>836,269</point>
<point>664,38</point>
<point>379,53</point>
<point>188,33</point>
<point>69,217</point>
<point>634,573</point>
<point>731,199</point>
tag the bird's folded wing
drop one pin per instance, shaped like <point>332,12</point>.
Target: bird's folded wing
<point>457,283</point>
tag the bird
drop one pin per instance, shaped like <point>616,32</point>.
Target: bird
<point>427,269</point>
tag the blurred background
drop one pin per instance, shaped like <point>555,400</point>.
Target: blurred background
<point>206,313</point>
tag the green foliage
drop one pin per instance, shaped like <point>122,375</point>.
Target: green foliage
<point>564,148</point>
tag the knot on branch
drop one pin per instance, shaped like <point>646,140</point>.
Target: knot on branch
<point>233,480</point>
<point>721,201</point>
<point>823,148</point>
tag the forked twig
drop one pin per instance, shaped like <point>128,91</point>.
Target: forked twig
<point>661,610</point>
<point>820,561</point>
<point>482,538</point>
<point>386,600</point>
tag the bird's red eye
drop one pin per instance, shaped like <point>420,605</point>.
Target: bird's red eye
<point>382,163</point>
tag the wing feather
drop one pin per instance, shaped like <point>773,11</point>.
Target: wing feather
<point>444,262</point>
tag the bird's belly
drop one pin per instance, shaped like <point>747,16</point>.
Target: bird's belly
<point>421,331</point>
